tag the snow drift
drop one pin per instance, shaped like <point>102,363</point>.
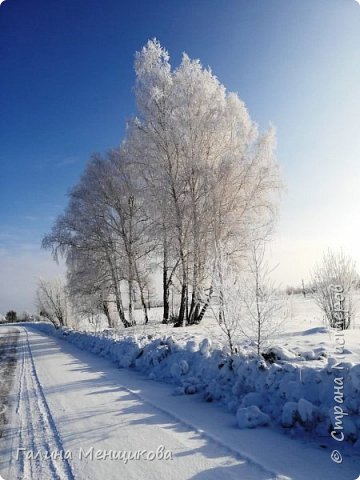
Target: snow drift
<point>279,390</point>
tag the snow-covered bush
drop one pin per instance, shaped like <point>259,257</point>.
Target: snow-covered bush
<point>334,279</point>
<point>251,417</point>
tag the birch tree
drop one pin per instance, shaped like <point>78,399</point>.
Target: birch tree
<point>262,304</point>
<point>248,306</point>
<point>106,226</point>
<point>85,227</point>
<point>52,301</point>
<point>197,145</point>
<point>192,173</point>
<point>90,285</point>
<point>226,289</point>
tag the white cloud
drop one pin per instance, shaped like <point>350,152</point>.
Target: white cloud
<point>66,161</point>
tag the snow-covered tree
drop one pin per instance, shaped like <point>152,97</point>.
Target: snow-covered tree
<point>262,303</point>
<point>226,290</point>
<point>208,171</point>
<point>334,280</point>
<point>52,301</point>
<point>103,234</point>
<point>11,316</point>
<point>89,285</point>
<point>131,224</point>
<point>247,306</point>
<point>86,227</point>
<point>192,172</point>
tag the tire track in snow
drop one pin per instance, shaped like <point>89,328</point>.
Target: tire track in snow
<point>38,432</point>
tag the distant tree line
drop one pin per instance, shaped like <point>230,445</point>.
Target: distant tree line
<point>12,316</point>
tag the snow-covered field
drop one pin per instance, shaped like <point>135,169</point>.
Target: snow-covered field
<point>303,330</point>
<point>221,416</point>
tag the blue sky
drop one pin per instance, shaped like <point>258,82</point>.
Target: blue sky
<point>66,91</point>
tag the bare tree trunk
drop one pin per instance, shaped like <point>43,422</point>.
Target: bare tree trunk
<point>130,289</point>
<point>182,310</point>
<point>166,296</point>
<point>194,307</point>
<point>120,308</point>
<point>106,311</point>
<point>118,301</point>
<point>145,308</point>
<point>194,314</point>
<point>230,342</point>
<point>205,306</point>
<point>142,296</point>
<point>166,285</point>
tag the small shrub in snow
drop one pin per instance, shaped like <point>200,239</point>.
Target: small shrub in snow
<point>289,414</point>
<point>261,364</point>
<point>291,389</point>
<point>309,355</point>
<point>307,413</point>
<point>275,354</point>
<point>191,346</point>
<point>184,367</point>
<point>171,343</point>
<point>179,368</point>
<point>251,417</point>
<point>179,391</point>
<point>334,280</point>
<point>191,389</point>
<point>205,346</point>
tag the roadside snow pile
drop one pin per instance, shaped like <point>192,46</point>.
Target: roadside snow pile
<point>282,388</point>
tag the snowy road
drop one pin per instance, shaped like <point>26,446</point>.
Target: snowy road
<point>77,405</point>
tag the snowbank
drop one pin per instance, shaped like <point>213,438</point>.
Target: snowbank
<point>281,391</point>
